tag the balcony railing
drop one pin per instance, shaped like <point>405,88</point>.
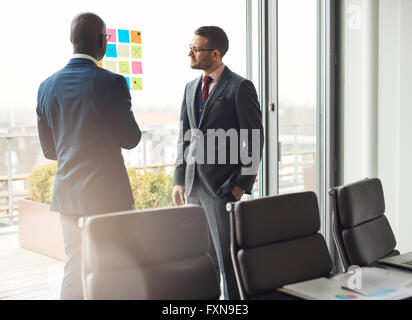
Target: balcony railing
<point>291,172</point>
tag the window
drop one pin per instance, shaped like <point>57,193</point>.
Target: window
<point>38,44</point>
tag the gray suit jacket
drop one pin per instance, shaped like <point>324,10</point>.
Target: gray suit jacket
<point>219,146</point>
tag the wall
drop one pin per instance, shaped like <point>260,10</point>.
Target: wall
<point>375,103</point>
<point>405,128</point>
<point>389,107</point>
<point>395,113</point>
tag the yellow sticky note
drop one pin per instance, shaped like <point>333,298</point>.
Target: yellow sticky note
<point>136,52</point>
<point>124,67</point>
<point>137,84</point>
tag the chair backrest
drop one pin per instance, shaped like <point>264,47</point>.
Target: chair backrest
<point>151,254</point>
<point>361,231</point>
<point>275,241</point>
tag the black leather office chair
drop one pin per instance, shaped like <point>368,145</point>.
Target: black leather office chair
<point>274,242</point>
<point>150,254</point>
<point>361,231</point>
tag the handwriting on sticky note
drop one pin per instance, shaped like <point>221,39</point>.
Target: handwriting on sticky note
<point>112,33</point>
<point>111,51</point>
<point>137,84</point>
<point>136,52</point>
<point>124,67</point>
<point>135,36</point>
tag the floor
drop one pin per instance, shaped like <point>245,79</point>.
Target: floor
<point>24,274</point>
<point>27,275</point>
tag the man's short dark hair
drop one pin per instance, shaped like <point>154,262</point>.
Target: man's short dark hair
<point>217,38</point>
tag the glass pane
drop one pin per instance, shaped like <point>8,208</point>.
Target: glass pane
<point>297,58</point>
<point>162,63</point>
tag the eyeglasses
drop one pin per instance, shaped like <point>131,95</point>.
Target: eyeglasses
<point>107,35</point>
<point>197,50</point>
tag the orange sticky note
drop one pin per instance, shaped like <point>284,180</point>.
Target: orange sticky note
<point>135,36</point>
<point>100,63</point>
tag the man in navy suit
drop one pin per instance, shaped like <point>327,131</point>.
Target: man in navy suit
<point>84,118</point>
<point>210,168</point>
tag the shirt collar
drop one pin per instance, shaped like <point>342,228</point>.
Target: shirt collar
<point>84,56</point>
<point>215,75</point>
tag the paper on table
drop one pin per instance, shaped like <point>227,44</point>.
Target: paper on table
<point>377,281</point>
<point>380,284</point>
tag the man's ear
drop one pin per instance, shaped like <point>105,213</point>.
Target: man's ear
<point>101,40</point>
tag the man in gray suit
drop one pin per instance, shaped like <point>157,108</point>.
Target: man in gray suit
<point>220,143</point>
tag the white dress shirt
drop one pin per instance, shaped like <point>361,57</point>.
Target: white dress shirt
<point>84,56</point>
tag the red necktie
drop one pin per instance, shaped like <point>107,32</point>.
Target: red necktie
<point>205,90</point>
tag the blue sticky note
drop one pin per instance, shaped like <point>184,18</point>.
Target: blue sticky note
<point>124,36</point>
<point>128,81</point>
<point>111,51</point>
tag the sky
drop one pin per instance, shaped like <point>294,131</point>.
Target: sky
<point>35,44</point>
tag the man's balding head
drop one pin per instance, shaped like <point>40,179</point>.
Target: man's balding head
<point>88,35</point>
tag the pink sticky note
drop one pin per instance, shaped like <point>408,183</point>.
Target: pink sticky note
<point>112,33</point>
<point>137,67</point>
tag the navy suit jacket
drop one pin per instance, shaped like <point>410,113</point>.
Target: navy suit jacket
<point>84,118</point>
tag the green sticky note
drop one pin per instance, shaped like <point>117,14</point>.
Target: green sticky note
<point>136,52</point>
<point>123,50</point>
<point>137,84</point>
<point>124,67</point>
<point>111,66</point>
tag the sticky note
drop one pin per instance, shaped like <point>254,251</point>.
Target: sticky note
<point>124,67</point>
<point>111,66</point>
<point>123,50</point>
<point>136,52</point>
<point>137,84</point>
<point>136,36</point>
<point>112,33</point>
<point>124,36</point>
<point>100,63</point>
<point>128,81</point>
<point>111,51</point>
<point>137,67</point>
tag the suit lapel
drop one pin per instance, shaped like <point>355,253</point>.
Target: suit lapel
<point>216,92</point>
<point>192,103</point>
